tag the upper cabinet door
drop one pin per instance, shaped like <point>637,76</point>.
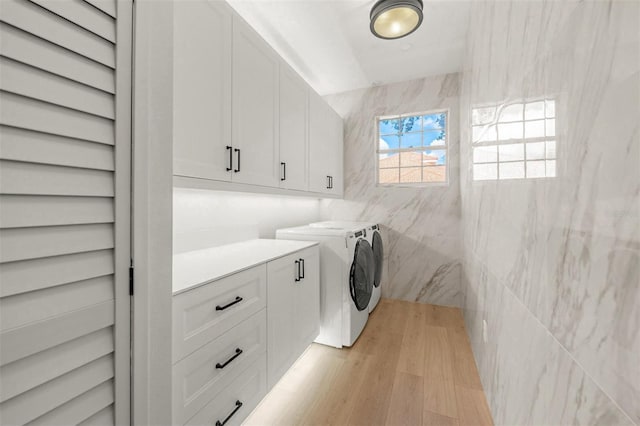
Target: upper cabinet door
<point>255,108</point>
<point>293,130</point>
<point>325,147</point>
<point>320,145</point>
<point>337,173</point>
<point>202,89</point>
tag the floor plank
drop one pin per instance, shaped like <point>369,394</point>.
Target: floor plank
<point>440,397</point>
<point>374,394</point>
<point>438,354</point>
<point>472,407</point>
<point>412,350</point>
<point>444,316</point>
<point>405,407</point>
<point>336,409</point>
<point>433,419</point>
<point>412,365</point>
<point>464,368</point>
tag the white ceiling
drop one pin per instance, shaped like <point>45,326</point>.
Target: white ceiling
<point>329,43</point>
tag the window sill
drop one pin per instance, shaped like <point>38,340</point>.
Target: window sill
<point>420,185</point>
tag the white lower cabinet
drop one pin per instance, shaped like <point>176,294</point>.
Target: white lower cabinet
<point>202,314</point>
<point>202,375</point>
<point>234,337</point>
<point>293,309</point>
<point>235,402</point>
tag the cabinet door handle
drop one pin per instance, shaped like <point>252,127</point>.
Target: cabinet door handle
<point>284,171</point>
<point>230,158</point>
<point>302,265</point>
<point>238,151</point>
<point>230,304</point>
<point>331,182</point>
<point>235,410</point>
<point>328,182</point>
<point>297,271</point>
<point>236,355</point>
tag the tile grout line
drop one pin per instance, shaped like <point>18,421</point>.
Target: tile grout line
<point>615,403</point>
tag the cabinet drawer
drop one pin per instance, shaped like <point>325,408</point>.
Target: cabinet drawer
<point>248,389</point>
<point>201,375</point>
<point>204,313</point>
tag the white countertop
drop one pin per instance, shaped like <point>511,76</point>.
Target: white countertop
<point>194,268</point>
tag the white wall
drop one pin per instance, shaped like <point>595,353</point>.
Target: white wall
<point>203,218</point>
<point>152,188</point>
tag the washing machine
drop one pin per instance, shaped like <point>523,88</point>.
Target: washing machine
<point>346,280</point>
<point>374,238</point>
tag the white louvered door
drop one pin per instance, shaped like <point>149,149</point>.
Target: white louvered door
<point>65,167</point>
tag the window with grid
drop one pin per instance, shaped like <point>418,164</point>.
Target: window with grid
<point>412,148</point>
<point>514,141</point>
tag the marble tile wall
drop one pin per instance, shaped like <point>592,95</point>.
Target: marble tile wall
<point>420,225</point>
<point>552,266</point>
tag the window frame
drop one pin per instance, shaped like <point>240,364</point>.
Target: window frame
<point>514,141</point>
<point>444,147</point>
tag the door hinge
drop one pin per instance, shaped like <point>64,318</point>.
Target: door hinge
<point>131,280</point>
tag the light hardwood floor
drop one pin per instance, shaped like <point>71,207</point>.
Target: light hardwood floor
<point>412,365</point>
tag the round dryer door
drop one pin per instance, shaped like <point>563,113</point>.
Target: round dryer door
<point>378,257</point>
<point>362,274</point>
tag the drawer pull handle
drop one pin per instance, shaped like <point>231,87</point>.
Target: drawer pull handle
<point>235,410</point>
<point>228,305</point>
<point>238,352</point>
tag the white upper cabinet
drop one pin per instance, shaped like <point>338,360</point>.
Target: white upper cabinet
<point>320,151</point>
<point>242,115</point>
<point>337,168</point>
<point>202,89</point>
<point>325,147</point>
<point>255,108</point>
<point>294,116</point>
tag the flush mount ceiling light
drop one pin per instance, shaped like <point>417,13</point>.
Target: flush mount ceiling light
<point>391,19</point>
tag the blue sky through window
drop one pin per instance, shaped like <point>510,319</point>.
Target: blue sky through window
<point>413,132</point>
<point>440,154</point>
